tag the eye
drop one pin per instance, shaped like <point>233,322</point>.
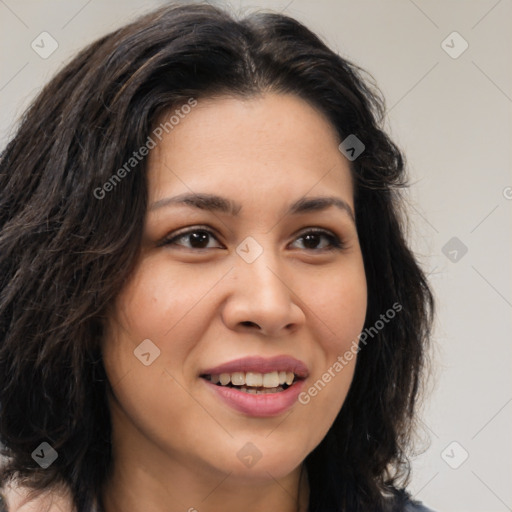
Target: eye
<point>196,238</point>
<point>315,240</point>
<point>202,238</point>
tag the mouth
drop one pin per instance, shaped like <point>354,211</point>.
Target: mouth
<point>256,386</point>
<point>253,382</point>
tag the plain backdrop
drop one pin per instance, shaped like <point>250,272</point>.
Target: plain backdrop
<point>445,68</point>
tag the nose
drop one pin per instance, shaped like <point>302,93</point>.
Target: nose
<point>262,298</point>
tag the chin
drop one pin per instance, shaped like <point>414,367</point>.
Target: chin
<point>262,459</point>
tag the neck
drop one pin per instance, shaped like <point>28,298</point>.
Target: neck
<point>138,490</point>
<point>147,479</point>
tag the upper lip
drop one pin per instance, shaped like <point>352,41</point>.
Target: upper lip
<point>260,364</point>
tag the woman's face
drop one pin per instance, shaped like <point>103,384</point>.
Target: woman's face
<point>240,279</point>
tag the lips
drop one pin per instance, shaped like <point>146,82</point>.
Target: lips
<point>261,365</point>
<point>257,386</point>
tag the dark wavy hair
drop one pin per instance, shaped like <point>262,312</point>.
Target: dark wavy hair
<point>64,254</point>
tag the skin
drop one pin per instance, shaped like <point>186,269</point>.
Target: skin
<point>175,443</point>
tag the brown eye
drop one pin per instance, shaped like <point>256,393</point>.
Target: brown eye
<point>314,240</point>
<point>198,239</point>
<point>192,239</point>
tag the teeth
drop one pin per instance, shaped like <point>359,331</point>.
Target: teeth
<point>253,391</point>
<point>254,379</point>
<point>238,378</point>
<point>269,381</point>
<point>225,379</point>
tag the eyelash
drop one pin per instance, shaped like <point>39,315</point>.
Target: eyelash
<point>335,242</point>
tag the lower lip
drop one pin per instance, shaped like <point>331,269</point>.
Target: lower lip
<point>262,406</point>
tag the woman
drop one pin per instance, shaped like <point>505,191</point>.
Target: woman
<point>207,301</point>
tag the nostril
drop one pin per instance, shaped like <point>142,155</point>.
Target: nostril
<point>248,323</point>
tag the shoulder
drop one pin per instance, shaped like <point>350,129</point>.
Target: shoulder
<point>20,499</point>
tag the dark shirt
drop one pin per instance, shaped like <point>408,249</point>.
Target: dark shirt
<point>416,506</point>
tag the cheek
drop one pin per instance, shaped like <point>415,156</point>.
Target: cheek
<point>152,396</point>
<point>165,305</point>
<point>347,313</point>
<point>340,307</point>
<point>338,301</point>
<point>169,311</point>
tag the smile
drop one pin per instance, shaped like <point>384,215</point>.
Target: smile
<point>253,382</point>
<point>256,386</point>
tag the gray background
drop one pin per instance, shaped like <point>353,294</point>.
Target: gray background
<point>452,117</point>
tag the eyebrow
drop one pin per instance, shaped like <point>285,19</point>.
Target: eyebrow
<point>212,202</point>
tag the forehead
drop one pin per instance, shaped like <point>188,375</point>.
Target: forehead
<point>272,146</point>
